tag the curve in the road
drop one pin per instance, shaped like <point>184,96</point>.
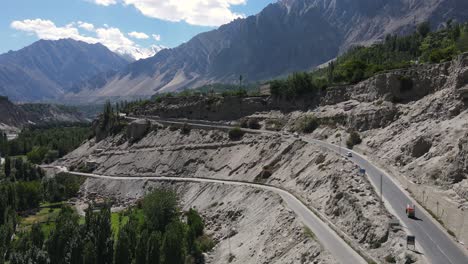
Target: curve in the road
<point>437,245</point>
<point>339,249</point>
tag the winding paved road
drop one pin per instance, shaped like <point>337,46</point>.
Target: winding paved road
<point>338,248</point>
<point>437,246</point>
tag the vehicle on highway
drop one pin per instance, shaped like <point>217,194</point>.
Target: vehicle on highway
<point>349,155</point>
<point>410,211</point>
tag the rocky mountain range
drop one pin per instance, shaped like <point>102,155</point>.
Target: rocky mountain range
<point>287,36</point>
<point>14,117</point>
<point>49,69</point>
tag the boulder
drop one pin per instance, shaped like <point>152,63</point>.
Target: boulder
<point>420,146</point>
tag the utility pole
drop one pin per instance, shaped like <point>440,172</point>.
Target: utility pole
<point>229,242</point>
<point>381,192</point>
<point>240,81</point>
<point>341,136</point>
<point>231,231</point>
<point>462,225</point>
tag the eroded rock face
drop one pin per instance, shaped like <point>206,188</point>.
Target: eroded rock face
<point>458,171</point>
<point>373,117</point>
<point>138,129</point>
<point>462,75</point>
<point>419,147</point>
<point>398,86</point>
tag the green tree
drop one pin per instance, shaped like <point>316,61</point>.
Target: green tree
<point>354,139</point>
<point>195,223</point>
<point>64,240</point>
<point>7,166</point>
<point>195,230</point>
<point>160,208</point>
<point>142,248</point>
<point>123,248</point>
<point>98,225</point>
<point>154,249</point>
<point>29,194</point>
<point>89,252</point>
<point>462,42</point>
<point>424,29</point>
<point>173,250</point>
<point>37,236</point>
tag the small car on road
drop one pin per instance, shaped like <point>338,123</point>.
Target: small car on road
<point>349,155</point>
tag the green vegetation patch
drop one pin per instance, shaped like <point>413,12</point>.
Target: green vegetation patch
<point>309,233</point>
<point>236,133</point>
<point>360,63</point>
<point>353,139</point>
<point>154,232</point>
<point>307,124</point>
<point>45,144</point>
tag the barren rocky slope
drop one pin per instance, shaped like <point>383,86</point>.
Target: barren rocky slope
<point>322,179</point>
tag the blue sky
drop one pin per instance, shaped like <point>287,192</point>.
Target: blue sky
<point>165,23</point>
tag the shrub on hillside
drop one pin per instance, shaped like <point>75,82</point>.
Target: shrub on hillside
<point>185,129</point>
<point>251,123</point>
<point>353,140</point>
<point>307,124</point>
<point>236,133</point>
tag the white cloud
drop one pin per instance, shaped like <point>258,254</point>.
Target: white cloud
<point>157,37</point>
<point>86,26</point>
<point>46,29</point>
<point>110,37</point>
<point>104,2</point>
<point>138,35</point>
<point>194,12</point>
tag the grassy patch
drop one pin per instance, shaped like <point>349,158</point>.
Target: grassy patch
<point>206,243</point>
<point>45,217</point>
<point>120,219</point>
<point>309,233</point>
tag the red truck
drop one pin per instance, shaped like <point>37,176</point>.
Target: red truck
<point>410,211</point>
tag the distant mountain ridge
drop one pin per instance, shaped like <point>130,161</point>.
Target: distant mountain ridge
<point>13,117</point>
<point>287,36</point>
<point>48,69</point>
